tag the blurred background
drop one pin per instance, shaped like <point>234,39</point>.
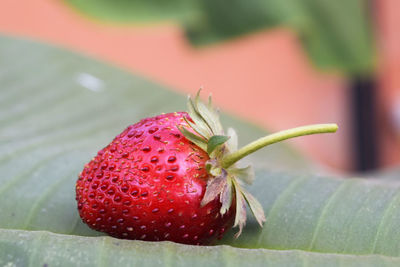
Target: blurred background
<point>278,64</point>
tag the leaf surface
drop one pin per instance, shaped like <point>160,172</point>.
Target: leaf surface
<point>57,109</point>
<point>24,248</point>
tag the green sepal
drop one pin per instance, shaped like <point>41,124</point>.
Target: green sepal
<point>255,207</point>
<point>245,174</point>
<point>199,125</point>
<point>215,141</point>
<point>197,140</point>
<point>209,114</point>
<point>208,167</point>
<point>226,196</point>
<point>215,186</point>
<point>216,171</point>
<point>241,214</point>
<point>232,143</point>
<point>213,169</point>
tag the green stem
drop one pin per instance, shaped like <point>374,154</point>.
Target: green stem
<point>277,137</point>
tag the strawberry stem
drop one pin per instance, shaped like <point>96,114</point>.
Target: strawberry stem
<point>274,138</point>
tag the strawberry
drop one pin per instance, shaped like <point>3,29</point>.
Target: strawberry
<point>173,177</point>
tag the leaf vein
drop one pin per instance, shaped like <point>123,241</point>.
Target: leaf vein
<point>19,177</point>
<point>50,191</point>
<point>328,203</point>
<point>291,187</point>
<point>385,217</point>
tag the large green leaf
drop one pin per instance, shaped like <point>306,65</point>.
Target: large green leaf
<point>58,108</point>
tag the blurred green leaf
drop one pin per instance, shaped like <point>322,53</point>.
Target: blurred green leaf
<point>57,109</point>
<point>335,34</point>
<point>136,10</point>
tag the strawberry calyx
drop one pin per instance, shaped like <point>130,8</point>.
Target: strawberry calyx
<point>226,180</point>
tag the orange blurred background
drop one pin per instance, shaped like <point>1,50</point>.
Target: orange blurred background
<point>265,78</point>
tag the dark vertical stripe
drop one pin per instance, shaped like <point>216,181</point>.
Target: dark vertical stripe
<point>365,130</point>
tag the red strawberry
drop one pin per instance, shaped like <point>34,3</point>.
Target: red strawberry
<point>148,184</point>
<point>170,177</point>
